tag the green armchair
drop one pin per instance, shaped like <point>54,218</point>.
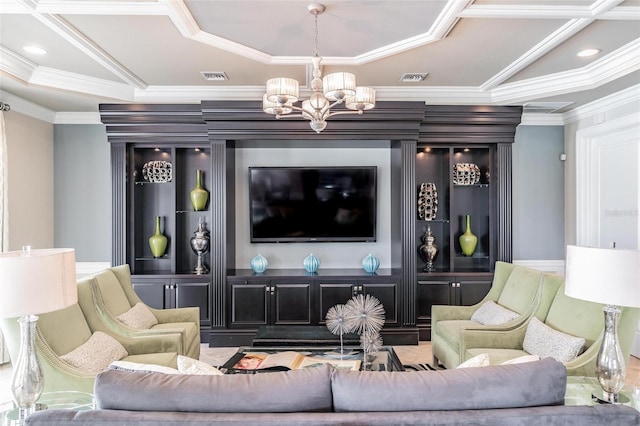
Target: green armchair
<point>114,295</point>
<point>567,315</point>
<point>60,332</point>
<point>516,288</point>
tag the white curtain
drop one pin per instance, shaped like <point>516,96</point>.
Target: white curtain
<point>4,214</point>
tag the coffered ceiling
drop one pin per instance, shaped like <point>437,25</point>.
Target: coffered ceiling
<point>506,52</point>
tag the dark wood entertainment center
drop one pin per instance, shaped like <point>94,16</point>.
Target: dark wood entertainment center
<point>424,143</point>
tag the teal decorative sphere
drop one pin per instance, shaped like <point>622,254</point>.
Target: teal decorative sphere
<point>311,263</point>
<point>370,263</point>
<point>259,264</point>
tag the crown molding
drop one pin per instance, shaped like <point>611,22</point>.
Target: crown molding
<point>619,63</point>
<point>552,41</point>
<point>16,65</point>
<point>67,31</point>
<point>541,119</point>
<point>81,83</point>
<point>602,106</point>
<point>77,118</point>
<point>25,107</point>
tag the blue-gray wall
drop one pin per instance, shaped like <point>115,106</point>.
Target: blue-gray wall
<point>83,192</point>
<point>538,193</point>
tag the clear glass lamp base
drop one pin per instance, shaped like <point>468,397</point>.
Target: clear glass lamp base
<point>27,381</point>
<point>610,365</point>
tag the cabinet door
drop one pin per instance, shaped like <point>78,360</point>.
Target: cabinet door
<point>155,293</point>
<point>249,303</point>
<point>331,294</point>
<point>194,292</point>
<point>471,291</point>
<point>386,293</point>
<point>292,303</point>
<point>436,292</point>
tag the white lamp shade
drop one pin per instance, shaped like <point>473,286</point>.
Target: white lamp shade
<point>607,276</point>
<point>275,108</point>
<point>37,281</point>
<point>339,85</point>
<point>364,99</point>
<point>284,90</point>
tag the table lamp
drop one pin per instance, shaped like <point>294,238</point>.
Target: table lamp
<point>33,282</point>
<point>611,277</point>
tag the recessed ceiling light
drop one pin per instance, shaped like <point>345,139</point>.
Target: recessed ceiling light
<point>588,52</point>
<point>35,50</point>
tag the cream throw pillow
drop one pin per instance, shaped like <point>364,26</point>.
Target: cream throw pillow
<point>188,365</point>
<point>94,355</point>
<point>490,313</point>
<point>542,340</point>
<point>481,360</point>
<point>138,317</point>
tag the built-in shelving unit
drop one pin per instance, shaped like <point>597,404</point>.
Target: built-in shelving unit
<point>424,143</point>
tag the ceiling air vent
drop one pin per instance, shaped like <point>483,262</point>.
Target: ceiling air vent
<point>413,77</point>
<point>214,75</point>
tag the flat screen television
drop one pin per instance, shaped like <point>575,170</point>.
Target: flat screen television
<point>312,204</point>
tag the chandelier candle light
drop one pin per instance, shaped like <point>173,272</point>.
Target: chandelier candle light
<point>328,91</point>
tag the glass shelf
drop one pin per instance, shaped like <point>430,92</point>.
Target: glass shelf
<point>166,256</point>
<point>141,182</point>
<point>475,185</point>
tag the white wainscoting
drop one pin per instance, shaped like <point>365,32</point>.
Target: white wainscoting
<point>551,266</point>
<point>84,269</point>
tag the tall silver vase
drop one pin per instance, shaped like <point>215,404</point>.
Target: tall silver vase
<point>200,245</point>
<point>428,250</point>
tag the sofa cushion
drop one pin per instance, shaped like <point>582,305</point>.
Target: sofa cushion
<point>112,293</point>
<point>490,313</point>
<point>138,317</point>
<point>543,340</point>
<point>520,289</point>
<point>449,330</point>
<point>575,317</point>
<point>64,330</point>
<point>95,354</point>
<point>307,389</point>
<point>499,386</point>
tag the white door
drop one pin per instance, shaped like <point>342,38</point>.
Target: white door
<point>608,188</point>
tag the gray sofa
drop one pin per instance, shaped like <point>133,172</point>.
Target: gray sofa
<point>520,394</point>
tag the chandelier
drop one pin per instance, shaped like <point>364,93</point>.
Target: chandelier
<point>328,91</point>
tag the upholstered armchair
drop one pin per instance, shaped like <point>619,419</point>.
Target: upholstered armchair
<point>61,332</point>
<point>516,288</point>
<point>114,296</point>
<point>566,315</point>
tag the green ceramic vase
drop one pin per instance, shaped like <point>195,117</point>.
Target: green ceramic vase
<point>199,195</point>
<point>157,242</point>
<point>468,240</point>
